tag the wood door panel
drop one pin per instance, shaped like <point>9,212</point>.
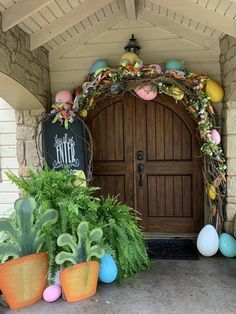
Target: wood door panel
<point>112,185</point>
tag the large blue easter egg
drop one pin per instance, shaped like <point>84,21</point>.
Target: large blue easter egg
<point>174,65</point>
<point>108,269</point>
<point>227,245</point>
<point>99,64</point>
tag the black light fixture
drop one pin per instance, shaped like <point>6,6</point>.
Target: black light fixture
<point>132,45</point>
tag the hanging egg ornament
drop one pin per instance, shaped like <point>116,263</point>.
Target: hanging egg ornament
<point>129,58</point>
<point>84,113</point>
<point>174,64</point>
<point>63,96</point>
<point>215,136</point>
<point>98,65</point>
<point>212,192</point>
<point>215,91</point>
<point>177,93</point>
<point>52,293</point>
<point>157,67</point>
<point>146,91</point>
<point>80,178</point>
<point>108,269</point>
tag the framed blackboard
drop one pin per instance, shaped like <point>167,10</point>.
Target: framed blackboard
<point>64,147</point>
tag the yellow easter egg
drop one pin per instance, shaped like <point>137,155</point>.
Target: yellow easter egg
<point>80,178</point>
<point>130,57</point>
<point>177,93</point>
<point>84,113</point>
<point>214,90</point>
<point>212,192</point>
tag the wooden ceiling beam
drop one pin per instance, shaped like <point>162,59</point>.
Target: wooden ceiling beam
<point>130,9</point>
<point>179,29</point>
<point>69,19</point>
<point>86,35</point>
<point>19,11</point>
<point>201,14</point>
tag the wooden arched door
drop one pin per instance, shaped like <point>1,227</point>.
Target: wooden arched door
<point>147,152</point>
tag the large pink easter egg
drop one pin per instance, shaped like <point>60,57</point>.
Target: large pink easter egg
<point>146,92</point>
<point>215,136</point>
<point>52,293</point>
<point>63,96</point>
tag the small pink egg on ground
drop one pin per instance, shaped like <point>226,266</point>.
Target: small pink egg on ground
<point>52,293</point>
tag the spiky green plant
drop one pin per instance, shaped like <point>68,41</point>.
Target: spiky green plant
<point>85,249</point>
<point>25,235</point>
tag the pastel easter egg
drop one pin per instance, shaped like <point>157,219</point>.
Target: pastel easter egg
<point>214,90</point>
<point>52,293</point>
<point>146,92</point>
<point>174,64</point>
<point>208,241</point>
<point>215,136</point>
<point>63,96</point>
<point>130,58</point>
<point>99,64</point>
<point>157,68</point>
<point>108,269</point>
<point>212,192</point>
<point>227,245</point>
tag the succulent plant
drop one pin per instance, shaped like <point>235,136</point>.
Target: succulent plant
<point>85,249</point>
<point>25,235</point>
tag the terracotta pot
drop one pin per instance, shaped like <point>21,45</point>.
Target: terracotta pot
<point>79,282</point>
<point>23,280</point>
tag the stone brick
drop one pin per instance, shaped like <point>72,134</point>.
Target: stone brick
<point>25,133</point>
<point>11,40</point>
<point>229,227</point>
<point>37,112</point>
<point>29,119</point>
<point>231,41</point>
<point>20,148</point>
<point>229,144</point>
<point>230,119</point>
<point>224,44</point>
<point>231,185</point>
<point>5,60</point>
<point>231,165</point>
<point>230,211</point>
<point>23,171</point>
<point>30,150</point>
<point>18,73</point>
<point>19,117</point>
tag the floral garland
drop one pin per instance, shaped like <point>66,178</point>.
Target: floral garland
<point>185,88</point>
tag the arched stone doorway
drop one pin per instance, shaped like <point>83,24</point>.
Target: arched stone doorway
<point>149,154</point>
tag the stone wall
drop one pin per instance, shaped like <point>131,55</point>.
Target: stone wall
<point>228,72</point>
<point>29,68</point>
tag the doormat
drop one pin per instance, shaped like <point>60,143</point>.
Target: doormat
<point>182,249</point>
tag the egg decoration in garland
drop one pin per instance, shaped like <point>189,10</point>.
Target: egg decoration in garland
<point>212,192</point>
<point>208,241</point>
<point>129,58</point>
<point>108,269</point>
<point>146,91</point>
<point>63,96</point>
<point>215,136</point>
<point>52,293</point>
<point>227,245</point>
<point>214,90</point>
<point>98,65</point>
<point>174,65</point>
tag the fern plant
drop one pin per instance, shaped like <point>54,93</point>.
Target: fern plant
<point>123,237</point>
<point>25,237</point>
<point>85,249</point>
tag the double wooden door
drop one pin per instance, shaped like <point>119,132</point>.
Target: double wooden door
<point>147,152</point>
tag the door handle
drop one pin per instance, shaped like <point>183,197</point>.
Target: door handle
<point>139,155</point>
<point>140,168</point>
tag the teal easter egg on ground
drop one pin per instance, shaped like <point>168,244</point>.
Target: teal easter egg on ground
<point>174,64</point>
<point>227,245</point>
<point>108,269</point>
<point>99,64</point>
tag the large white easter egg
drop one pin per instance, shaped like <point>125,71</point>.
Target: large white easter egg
<point>208,241</point>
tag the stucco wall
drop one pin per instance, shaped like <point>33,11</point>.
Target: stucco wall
<point>228,69</point>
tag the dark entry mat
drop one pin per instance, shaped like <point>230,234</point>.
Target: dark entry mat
<point>182,249</point>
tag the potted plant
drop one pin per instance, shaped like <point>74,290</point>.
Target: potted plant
<point>79,281</point>
<point>23,277</point>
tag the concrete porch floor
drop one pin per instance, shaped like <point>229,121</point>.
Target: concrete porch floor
<point>204,286</point>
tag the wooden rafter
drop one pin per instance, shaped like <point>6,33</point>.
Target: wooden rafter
<point>179,29</point>
<point>130,9</point>
<point>69,19</point>
<point>86,35</point>
<point>19,11</point>
<point>201,14</point>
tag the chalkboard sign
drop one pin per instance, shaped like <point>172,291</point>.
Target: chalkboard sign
<point>64,147</point>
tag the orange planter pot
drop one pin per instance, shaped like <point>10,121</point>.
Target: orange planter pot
<point>23,280</point>
<point>79,282</point>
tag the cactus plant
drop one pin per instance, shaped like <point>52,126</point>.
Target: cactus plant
<point>26,237</point>
<point>79,281</point>
<point>84,250</point>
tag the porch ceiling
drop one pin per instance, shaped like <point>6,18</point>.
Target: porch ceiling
<point>77,32</point>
